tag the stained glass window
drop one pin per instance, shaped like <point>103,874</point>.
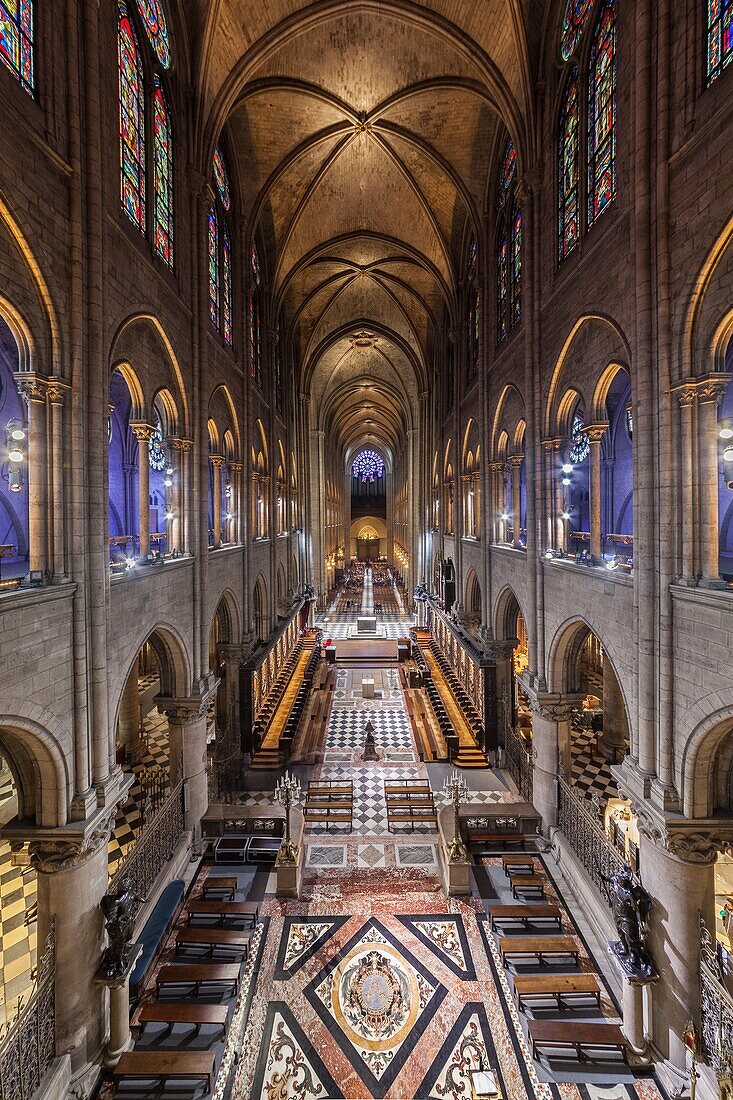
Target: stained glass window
<point>162,176</point>
<point>255,316</point>
<point>16,40</point>
<point>226,283</point>
<point>213,249</point>
<point>156,28</point>
<point>508,170</point>
<point>502,284</point>
<point>630,420</point>
<point>156,453</point>
<point>367,466</point>
<point>473,322</point>
<point>515,274</point>
<point>720,36</point>
<point>568,163</point>
<point>602,114</point>
<point>132,121</point>
<point>573,25</point>
<point>221,179</point>
<point>579,447</point>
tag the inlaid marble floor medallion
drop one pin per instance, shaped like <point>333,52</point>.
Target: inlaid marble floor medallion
<point>379,997</point>
<point>288,1068</point>
<point>446,936</point>
<point>301,938</point>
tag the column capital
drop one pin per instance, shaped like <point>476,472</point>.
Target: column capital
<point>179,444</point>
<point>235,467</point>
<point>71,847</point>
<point>551,706</point>
<point>596,431</point>
<point>217,461</point>
<point>31,386</point>
<point>712,387</point>
<point>185,712</point>
<point>686,392</point>
<point>142,431</point>
<point>57,391</point>
<point>553,443</point>
<point>200,186</point>
<point>515,459</point>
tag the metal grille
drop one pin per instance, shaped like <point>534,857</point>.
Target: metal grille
<point>154,846</point>
<point>28,1042</point>
<point>716,1007</point>
<point>519,762</point>
<point>579,823</point>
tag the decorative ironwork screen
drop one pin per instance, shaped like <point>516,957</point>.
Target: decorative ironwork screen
<point>716,1007</point>
<point>519,762</point>
<point>578,821</point>
<point>28,1042</point>
<point>154,846</point>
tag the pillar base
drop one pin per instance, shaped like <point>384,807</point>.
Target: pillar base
<point>712,582</point>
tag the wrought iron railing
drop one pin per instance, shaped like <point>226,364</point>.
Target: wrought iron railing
<point>519,762</point>
<point>28,1041</point>
<point>578,819</point>
<point>154,847</point>
<point>716,1006</point>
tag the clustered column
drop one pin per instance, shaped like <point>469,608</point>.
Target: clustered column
<point>595,434</point>
<point>515,465</point>
<point>217,463</point>
<point>33,390</point>
<point>143,434</point>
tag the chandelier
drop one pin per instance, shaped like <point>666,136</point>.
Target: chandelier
<point>367,466</point>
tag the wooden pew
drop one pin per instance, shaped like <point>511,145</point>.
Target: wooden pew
<point>170,1013</point>
<point>198,976</point>
<point>525,915</point>
<point>226,885</point>
<point>533,885</point>
<point>238,911</point>
<point>223,939</point>
<point>167,1065</point>
<point>563,989</point>
<point>558,1037</point>
<point>538,948</point>
<point>516,864</point>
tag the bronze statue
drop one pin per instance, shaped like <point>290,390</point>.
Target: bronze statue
<point>630,904</point>
<point>120,909</point>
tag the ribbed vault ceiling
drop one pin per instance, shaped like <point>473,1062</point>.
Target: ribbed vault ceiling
<point>363,134</point>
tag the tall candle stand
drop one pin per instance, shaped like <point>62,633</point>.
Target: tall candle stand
<point>288,793</point>
<point>456,791</point>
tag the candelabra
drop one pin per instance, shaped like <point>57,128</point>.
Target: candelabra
<point>287,793</point>
<point>456,791</point>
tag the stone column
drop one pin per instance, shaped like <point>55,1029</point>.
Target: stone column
<point>185,448</point>
<point>678,871</point>
<point>143,434</point>
<point>57,395</point>
<point>551,744</point>
<point>709,392</point>
<point>615,725</point>
<point>187,739</point>
<point>515,462</point>
<point>595,433</point>
<point>33,390</point>
<point>72,879</point>
<point>686,396</point>
<point>494,502</point>
<point>217,463</point>
<point>559,525</point>
<point>235,533</point>
<point>128,723</point>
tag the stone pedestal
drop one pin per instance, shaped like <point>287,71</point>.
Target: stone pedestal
<point>120,1036</point>
<point>366,624</point>
<point>367,687</point>
<point>681,890</point>
<point>289,875</point>
<point>635,1004</point>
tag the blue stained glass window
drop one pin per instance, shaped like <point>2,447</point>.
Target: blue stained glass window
<point>573,25</point>
<point>16,40</point>
<point>162,177</point>
<point>213,253</point>
<point>568,167</point>
<point>132,120</point>
<point>508,170</point>
<point>221,179</point>
<point>156,28</point>
<point>515,272</point>
<point>502,284</point>
<point>226,283</point>
<point>156,453</point>
<point>367,466</point>
<point>579,445</point>
<point>602,114</point>
<point>720,36</point>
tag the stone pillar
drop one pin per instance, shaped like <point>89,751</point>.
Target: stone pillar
<point>57,395</point>
<point>129,724</point>
<point>72,879</point>
<point>235,527</point>
<point>515,465</point>
<point>615,726</point>
<point>143,434</point>
<point>120,1037</point>
<point>686,397</point>
<point>33,390</point>
<point>709,393</point>
<point>595,433</point>
<point>187,739</point>
<point>551,744</point>
<point>559,525</point>
<point>681,878</point>
<point>217,462</point>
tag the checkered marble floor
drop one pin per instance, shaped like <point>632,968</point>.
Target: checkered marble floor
<point>590,772</point>
<point>17,915</point>
<point>129,816</point>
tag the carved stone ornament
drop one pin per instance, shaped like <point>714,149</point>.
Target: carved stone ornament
<point>554,712</point>
<point>32,388</point>
<point>50,856</point>
<point>697,847</point>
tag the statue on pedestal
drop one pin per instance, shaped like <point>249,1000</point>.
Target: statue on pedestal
<point>120,909</point>
<point>630,904</point>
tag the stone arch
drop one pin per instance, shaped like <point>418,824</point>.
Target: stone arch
<point>594,337</point>
<point>473,596</point>
<point>703,732</point>
<point>173,660</point>
<point>694,320</point>
<point>563,653</point>
<point>227,612</point>
<point>31,737</point>
<point>506,610</point>
<point>126,347</point>
<point>260,612</point>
